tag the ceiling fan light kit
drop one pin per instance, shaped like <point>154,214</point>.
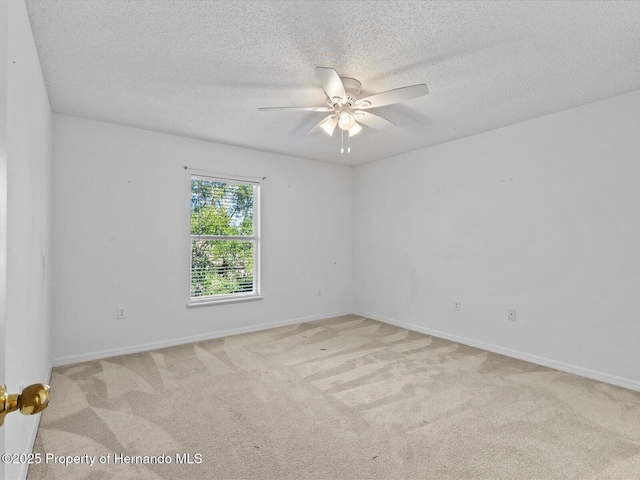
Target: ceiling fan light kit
<point>328,125</point>
<point>347,109</point>
<point>346,120</point>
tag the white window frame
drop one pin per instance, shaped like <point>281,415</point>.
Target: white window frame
<point>233,297</point>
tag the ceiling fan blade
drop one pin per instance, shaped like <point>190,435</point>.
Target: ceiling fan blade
<point>331,125</point>
<point>373,121</point>
<point>297,109</point>
<point>331,83</point>
<point>392,96</point>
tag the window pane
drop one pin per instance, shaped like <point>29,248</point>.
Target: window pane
<point>221,267</point>
<point>221,208</point>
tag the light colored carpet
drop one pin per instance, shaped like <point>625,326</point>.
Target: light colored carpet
<point>347,398</point>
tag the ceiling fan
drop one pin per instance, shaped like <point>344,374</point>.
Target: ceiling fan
<point>346,110</point>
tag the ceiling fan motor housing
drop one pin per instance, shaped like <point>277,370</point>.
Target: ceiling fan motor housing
<point>352,87</point>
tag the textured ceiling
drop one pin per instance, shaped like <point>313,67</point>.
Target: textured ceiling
<point>202,68</point>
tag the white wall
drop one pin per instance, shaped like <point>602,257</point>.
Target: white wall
<point>28,305</point>
<point>542,217</point>
<point>121,238</point>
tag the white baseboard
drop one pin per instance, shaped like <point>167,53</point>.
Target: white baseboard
<point>83,357</point>
<point>547,362</point>
<point>24,469</point>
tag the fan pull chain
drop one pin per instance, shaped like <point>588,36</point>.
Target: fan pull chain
<point>342,142</point>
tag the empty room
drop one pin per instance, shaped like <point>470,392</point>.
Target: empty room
<point>319,239</point>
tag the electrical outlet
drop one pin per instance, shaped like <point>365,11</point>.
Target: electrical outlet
<point>121,313</point>
<point>511,314</point>
<point>456,304</point>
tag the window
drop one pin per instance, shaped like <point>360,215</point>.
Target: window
<point>225,239</point>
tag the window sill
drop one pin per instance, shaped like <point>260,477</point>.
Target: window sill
<point>210,301</point>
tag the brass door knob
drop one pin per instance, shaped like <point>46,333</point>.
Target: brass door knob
<point>32,400</point>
